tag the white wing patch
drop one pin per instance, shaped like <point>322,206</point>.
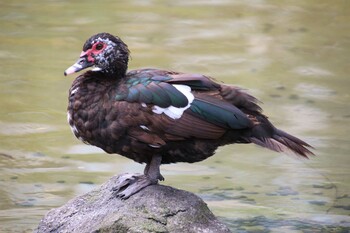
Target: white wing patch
<point>173,112</point>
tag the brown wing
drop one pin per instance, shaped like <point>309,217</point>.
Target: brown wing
<point>156,130</point>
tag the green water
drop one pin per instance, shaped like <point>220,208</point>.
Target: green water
<point>293,55</point>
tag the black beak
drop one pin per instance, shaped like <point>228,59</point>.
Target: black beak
<point>81,64</point>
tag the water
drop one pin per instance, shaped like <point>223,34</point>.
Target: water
<point>294,56</point>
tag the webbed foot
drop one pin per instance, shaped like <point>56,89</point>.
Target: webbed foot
<point>132,183</point>
<point>129,184</point>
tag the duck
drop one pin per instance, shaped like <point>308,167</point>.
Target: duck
<point>155,116</point>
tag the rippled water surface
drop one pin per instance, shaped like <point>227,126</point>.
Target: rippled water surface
<point>294,56</point>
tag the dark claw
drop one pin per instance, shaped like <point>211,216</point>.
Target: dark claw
<point>161,178</point>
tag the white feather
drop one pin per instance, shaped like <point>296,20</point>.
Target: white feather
<point>173,112</point>
<point>96,69</point>
<point>74,90</point>
<point>154,146</point>
<point>72,127</point>
<point>69,118</point>
<point>144,128</point>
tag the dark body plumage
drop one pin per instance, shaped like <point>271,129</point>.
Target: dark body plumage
<point>155,116</point>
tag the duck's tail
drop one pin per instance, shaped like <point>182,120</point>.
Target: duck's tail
<point>266,135</point>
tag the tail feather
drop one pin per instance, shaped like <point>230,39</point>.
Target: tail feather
<point>293,143</point>
<point>284,142</point>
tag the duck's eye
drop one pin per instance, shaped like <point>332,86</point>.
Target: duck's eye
<point>99,46</point>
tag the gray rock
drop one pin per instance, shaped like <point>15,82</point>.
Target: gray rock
<point>156,208</point>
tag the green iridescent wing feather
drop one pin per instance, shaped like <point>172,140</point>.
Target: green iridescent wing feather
<point>222,114</point>
<point>148,89</point>
<point>156,87</point>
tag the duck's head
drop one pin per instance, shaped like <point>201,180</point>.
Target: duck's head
<point>107,53</point>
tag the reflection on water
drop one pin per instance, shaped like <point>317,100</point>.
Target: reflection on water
<point>292,56</point>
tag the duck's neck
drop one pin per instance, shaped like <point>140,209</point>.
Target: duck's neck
<point>117,73</point>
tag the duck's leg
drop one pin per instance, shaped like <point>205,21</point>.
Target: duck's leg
<point>152,169</point>
<point>129,184</point>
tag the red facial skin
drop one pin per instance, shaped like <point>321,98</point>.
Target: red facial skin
<point>94,51</point>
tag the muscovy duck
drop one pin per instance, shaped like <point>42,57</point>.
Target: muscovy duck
<point>158,117</point>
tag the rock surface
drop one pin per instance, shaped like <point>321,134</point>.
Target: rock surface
<point>156,208</point>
